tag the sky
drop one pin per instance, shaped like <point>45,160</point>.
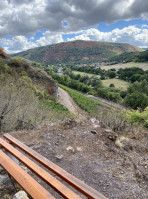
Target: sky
<point>26,24</point>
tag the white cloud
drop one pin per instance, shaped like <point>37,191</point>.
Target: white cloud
<point>25,17</point>
<point>22,43</point>
<point>130,34</point>
<point>49,38</point>
<point>21,18</point>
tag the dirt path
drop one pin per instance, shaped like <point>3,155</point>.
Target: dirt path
<point>68,102</point>
<point>113,104</point>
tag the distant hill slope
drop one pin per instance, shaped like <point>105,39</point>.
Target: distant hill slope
<point>130,57</point>
<point>142,57</point>
<point>77,52</point>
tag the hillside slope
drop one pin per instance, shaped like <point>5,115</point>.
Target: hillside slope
<point>76,52</point>
<point>27,96</point>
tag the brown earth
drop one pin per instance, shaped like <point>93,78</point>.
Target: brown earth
<point>116,169</point>
<point>113,163</point>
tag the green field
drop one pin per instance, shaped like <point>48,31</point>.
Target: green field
<point>119,84</point>
<point>144,66</point>
<point>83,73</point>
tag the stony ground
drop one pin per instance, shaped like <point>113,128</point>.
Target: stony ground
<point>116,166</point>
<point>113,163</point>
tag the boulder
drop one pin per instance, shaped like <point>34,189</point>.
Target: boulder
<point>20,195</point>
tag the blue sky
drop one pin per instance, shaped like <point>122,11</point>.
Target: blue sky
<point>27,24</point>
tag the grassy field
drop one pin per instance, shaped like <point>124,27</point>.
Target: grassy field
<point>119,84</point>
<point>144,66</point>
<point>83,73</point>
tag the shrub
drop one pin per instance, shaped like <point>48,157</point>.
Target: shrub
<point>138,116</point>
<point>111,74</point>
<point>102,92</point>
<point>114,96</point>
<point>102,77</point>
<point>4,68</point>
<point>17,62</point>
<point>136,99</point>
<point>111,85</point>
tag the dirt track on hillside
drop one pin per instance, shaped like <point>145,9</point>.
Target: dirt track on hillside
<point>65,99</point>
<point>105,101</point>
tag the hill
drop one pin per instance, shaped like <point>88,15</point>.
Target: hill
<point>129,57</point>
<point>142,57</point>
<point>27,96</point>
<point>77,52</point>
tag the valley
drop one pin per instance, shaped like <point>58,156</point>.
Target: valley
<point>142,65</point>
<point>73,99</point>
<point>119,84</point>
<point>87,110</point>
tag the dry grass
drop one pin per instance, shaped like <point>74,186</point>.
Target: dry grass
<point>119,84</point>
<point>83,73</point>
<point>144,66</point>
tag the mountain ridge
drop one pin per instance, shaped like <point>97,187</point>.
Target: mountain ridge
<point>78,51</point>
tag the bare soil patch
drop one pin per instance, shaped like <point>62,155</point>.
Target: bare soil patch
<point>119,171</point>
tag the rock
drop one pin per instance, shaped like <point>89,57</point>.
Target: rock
<point>69,123</point>
<point>5,184</point>
<point>93,132</point>
<point>59,157</point>
<point>79,149</point>
<point>112,137</point>
<point>70,148</point>
<point>20,195</point>
<point>93,120</point>
<point>24,168</point>
<point>108,130</point>
<point>96,126</point>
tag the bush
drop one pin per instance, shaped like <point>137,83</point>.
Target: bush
<point>114,96</point>
<point>102,92</point>
<point>4,68</point>
<point>138,117</point>
<point>111,74</point>
<point>102,77</point>
<point>17,62</point>
<point>111,85</point>
<point>136,99</point>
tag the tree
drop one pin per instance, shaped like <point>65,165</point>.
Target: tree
<point>111,74</point>
<point>78,76</point>
<point>135,77</point>
<point>111,85</point>
<point>136,100</point>
<point>19,106</point>
<point>102,92</point>
<point>114,96</point>
<point>102,77</point>
<point>141,87</point>
<point>95,82</point>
